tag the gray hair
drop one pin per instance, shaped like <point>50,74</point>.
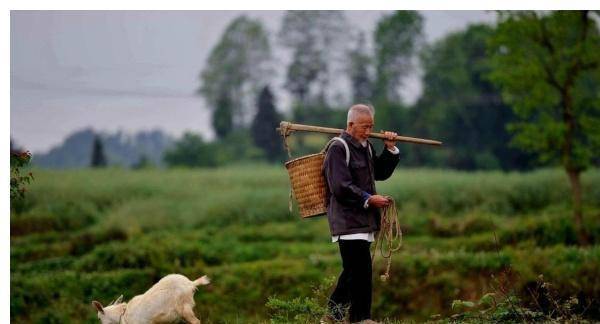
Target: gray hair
<point>360,109</point>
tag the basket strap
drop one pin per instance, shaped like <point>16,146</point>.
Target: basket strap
<point>326,148</point>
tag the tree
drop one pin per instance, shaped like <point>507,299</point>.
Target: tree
<point>359,71</point>
<point>98,158</point>
<point>462,107</point>
<point>264,124</point>
<point>191,151</point>
<point>18,159</point>
<point>318,41</point>
<point>222,118</point>
<point>548,68</point>
<point>236,70</point>
<point>306,67</point>
<point>397,40</point>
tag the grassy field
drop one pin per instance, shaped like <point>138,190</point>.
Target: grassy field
<point>96,234</point>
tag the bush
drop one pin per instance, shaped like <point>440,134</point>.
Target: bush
<point>59,216</point>
<point>110,232</point>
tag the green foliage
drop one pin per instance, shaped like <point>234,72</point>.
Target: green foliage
<point>238,147</point>
<point>504,306</point>
<point>549,71</point>
<point>304,143</point>
<point>107,232</point>
<point>550,75</point>
<point>462,107</point>
<point>18,160</point>
<point>48,291</point>
<point>59,216</point>
<point>222,117</point>
<point>143,163</point>
<point>359,71</point>
<point>397,39</point>
<point>316,38</point>
<point>301,309</point>
<point>509,309</point>
<point>390,116</point>
<point>236,70</point>
<point>264,124</point>
<point>191,151</point>
<point>98,160</point>
<point>320,115</point>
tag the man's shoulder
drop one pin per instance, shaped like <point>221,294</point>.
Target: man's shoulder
<point>336,147</point>
<point>337,151</point>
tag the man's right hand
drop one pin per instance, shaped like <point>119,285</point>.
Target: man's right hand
<point>378,201</point>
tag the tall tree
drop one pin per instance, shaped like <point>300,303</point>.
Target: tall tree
<point>222,117</point>
<point>236,70</point>
<point>317,40</point>
<point>397,39</point>
<point>98,158</point>
<point>462,107</point>
<point>359,71</point>
<point>548,68</point>
<point>264,124</point>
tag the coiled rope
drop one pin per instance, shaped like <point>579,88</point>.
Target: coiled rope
<point>389,237</point>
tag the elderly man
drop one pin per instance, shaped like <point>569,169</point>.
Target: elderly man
<point>353,209</point>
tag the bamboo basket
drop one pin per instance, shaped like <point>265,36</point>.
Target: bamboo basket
<point>308,184</point>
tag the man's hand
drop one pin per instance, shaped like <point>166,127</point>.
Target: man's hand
<point>378,201</point>
<point>390,142</point>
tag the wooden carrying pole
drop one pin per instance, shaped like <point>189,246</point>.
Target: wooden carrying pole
<point>286,127</point>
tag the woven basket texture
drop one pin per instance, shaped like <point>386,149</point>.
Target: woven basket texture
<point>308,184</point>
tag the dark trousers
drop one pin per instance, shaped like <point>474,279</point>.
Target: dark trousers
<point>354,284</point>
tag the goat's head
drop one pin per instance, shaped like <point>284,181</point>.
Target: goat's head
<point>112,313</point>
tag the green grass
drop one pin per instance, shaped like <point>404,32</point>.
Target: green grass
<point>96,234</point>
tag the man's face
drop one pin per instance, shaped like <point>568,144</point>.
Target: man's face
<point>362,127</point>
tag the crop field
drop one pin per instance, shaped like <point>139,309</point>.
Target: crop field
<point>87,234</point>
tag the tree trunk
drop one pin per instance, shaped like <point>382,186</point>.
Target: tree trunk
<point>577,210</point>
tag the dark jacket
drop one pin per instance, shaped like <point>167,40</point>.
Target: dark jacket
<point>347,184</point>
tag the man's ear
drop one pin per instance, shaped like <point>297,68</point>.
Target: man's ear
<point>98,306</point>
<point>119,300</point>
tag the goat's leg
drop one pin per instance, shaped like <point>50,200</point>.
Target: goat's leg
<point>189,316</point>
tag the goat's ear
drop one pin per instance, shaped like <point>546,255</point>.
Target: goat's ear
<point>98,306</point>
<point>119,300</point>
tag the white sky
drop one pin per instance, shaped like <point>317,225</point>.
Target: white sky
<point>137,70</point>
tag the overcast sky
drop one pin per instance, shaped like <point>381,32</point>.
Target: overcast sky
<point>137,70</point>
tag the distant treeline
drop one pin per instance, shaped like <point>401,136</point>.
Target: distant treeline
<point>87,148</point>
<point>513,96</point>
<point>537,74</point>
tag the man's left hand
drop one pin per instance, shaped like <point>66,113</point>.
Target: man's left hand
<point>390,142</point>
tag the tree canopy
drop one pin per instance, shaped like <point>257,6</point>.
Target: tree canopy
<point>318,42</point>
<point>237,68</point>
<point>460,105</point>
<point>264,124</point>
<point>548,68</point>
<point>398,38</point>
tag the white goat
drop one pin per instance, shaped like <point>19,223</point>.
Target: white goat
<point>169,300</point>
